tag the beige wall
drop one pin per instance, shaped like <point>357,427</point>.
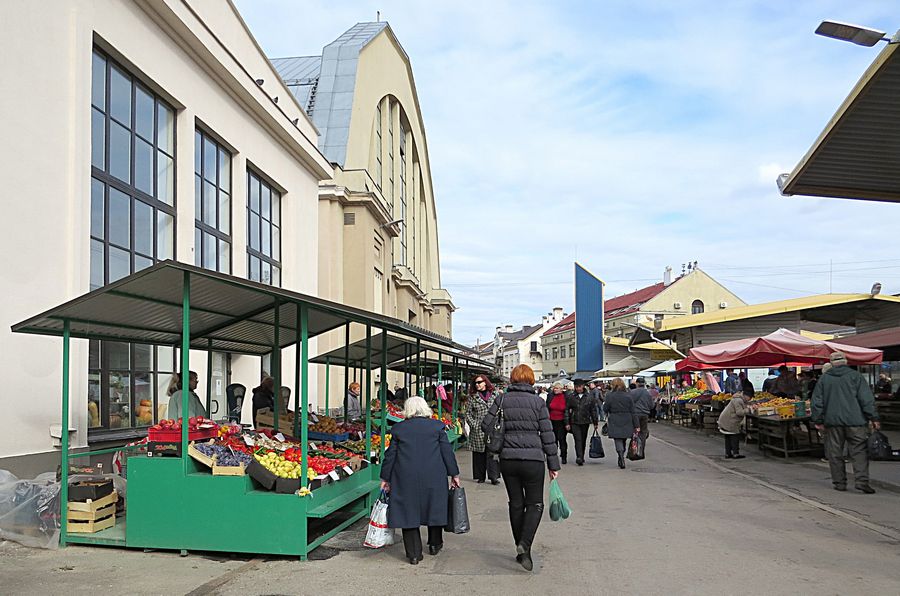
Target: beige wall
<point>165,45</point>
<point>552,366</point>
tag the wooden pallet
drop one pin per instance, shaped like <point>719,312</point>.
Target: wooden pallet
<point>93,506</point>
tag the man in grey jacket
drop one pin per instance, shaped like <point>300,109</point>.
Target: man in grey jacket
<point>643,403</point>
<point>842,406</point>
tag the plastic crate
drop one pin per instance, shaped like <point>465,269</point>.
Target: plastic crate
<point>314,436</point>
<point>175,435</point>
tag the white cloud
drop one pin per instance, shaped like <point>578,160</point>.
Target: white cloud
<point>638,134</point>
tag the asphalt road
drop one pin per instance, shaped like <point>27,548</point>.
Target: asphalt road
<point>683,521</point>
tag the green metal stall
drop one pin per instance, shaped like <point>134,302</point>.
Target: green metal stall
<point>171,502</point>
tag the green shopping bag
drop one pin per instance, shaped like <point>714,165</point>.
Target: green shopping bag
<point>559,507</point>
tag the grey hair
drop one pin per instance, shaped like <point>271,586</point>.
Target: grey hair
<point>416,407</point>
<point>556,384</point>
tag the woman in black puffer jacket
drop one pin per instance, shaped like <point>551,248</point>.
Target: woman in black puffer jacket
<point>528,442</point>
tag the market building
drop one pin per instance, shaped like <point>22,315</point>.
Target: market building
<point>156,130</point>
<point>692,292</point>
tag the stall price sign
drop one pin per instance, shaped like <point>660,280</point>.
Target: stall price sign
<point>313,447</point>
<point>334,475</point>
<point>348,470</point>
<point>280,437</point>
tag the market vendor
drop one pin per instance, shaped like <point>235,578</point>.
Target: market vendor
<point>354,409</point>
<point>195,406</point>
<point>263,396</point>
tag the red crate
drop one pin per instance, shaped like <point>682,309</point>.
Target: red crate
<point>175,435</point>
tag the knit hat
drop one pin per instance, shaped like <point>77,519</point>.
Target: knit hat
<point>838,358</point>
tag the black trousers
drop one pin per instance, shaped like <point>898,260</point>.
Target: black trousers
<point>412,540</point>
<point>559,429</point>
<point>580,431</point>
<point>732,445</point>
<point>620,446</point>
<point>485,462</point>
<point>524,480</point>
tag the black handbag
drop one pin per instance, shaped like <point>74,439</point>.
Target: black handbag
<point>493,439</point>
<point>596,446</point>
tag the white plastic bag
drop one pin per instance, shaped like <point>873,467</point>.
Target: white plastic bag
<point>379,534</point>
<point>466,429</point>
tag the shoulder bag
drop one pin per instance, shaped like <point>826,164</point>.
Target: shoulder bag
<point>493,439</point>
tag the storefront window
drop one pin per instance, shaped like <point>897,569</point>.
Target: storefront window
<point>212,204</point>
<point>132,227</point>
<point>263,231</point>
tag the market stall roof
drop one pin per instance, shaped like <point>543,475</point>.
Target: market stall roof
<point>397,347</point>
<point>781,347</point>
<point>227,313</point>
<point>887,340</point>
<point>663,367</point>
<point>627,365</point>
<point>429,365</point>
<point>857,156</point>
<point>835,309</point>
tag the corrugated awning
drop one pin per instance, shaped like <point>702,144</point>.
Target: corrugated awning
<point>857,156</point>
<point>355,354</point>
<point>227,313</point>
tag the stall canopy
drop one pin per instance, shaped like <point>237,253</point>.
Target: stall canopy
<point>777,348</point>
<point>228,314</point>
<point>887,340</point>
<point>625,366</point>
<point>663,367</point>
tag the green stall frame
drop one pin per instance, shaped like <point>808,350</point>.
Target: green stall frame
<point>171,502</point>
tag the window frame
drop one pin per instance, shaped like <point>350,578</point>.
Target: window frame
<point>253,253</point>
<point>199,224</point>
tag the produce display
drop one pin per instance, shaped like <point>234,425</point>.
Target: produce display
<point>224,455</point>
<point>327,426</point>
<point>392,410</point>
<point>281,467</point>
<point>170,430</point>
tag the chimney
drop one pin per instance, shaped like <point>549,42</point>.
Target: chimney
<point>558,314</point>
<point>508,328</point>
<point>667,276</point>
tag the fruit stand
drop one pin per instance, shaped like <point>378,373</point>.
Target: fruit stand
<point>183,495</point>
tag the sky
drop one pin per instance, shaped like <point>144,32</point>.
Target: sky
<point>627,136</point>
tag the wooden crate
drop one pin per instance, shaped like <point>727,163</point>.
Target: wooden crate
<point>93,515</point>
<point>93,506</point>
<point>91,526</point>
<point>200,457</point>
<point>217,470</point>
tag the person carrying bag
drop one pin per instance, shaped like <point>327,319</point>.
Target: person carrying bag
<point>596,450</point>
<point>379,534</point>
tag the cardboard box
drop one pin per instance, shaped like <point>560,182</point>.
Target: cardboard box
<point>90,490</point>
<point>164,449</point>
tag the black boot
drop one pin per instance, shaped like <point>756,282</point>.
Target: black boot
<point>621,461</point>
<point>523,556</point>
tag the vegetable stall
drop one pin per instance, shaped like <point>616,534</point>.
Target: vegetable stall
<point>227,488</point>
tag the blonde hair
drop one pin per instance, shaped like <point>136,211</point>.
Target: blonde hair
<point>416,407</point>
<point>556,384</point>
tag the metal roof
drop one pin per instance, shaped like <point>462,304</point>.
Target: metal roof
<point>300,74</point>
<point>857,156</point>
<point>429,364</point>
<point>227,313</point>
<point>397,349</point>
<point>327,94</point>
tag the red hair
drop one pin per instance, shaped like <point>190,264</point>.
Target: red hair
<point>522,374</point>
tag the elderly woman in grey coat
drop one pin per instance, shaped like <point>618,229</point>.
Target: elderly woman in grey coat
<point>730,422</point>
<point>481,398</point>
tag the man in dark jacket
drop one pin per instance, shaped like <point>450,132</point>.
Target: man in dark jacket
<point>643,403</point>
<point>842,406</point>
<point>581,412</point>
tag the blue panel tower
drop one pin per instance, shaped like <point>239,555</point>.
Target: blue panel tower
<point>588,321</point>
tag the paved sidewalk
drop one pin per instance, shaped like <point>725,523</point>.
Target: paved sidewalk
<point>675,523</point>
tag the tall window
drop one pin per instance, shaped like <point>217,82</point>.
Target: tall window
<point>403,232</point>
<point>571,350</point>
<point>555,353</point>
<point>263,231</point>
<point>562,351</point>
<point>212,203</point>
<point>697,307</point>
<point>390,158</point>
<point>132,227</point>
<point>378,146</point>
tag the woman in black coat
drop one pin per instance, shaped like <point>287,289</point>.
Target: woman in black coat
<point>528,441</point>
<point>622,422</point>
<point>263,396</point>
<point>415,470</point>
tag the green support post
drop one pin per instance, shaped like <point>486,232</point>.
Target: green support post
<point>276,365</point>
<point>368,391</point>
<point>64,436</point>
<point>455,378</point>
<point>209,378</point>
<point>384,390</point>
<point>346,366</point>
<point>304,392</point>
<point>419,367</point>
<point>327,381</point>
<point>185,365</point>
<point>297,382</point>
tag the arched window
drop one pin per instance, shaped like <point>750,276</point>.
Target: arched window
<point>696,307</point>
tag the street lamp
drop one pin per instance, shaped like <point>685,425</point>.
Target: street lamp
<point>861,36</point>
